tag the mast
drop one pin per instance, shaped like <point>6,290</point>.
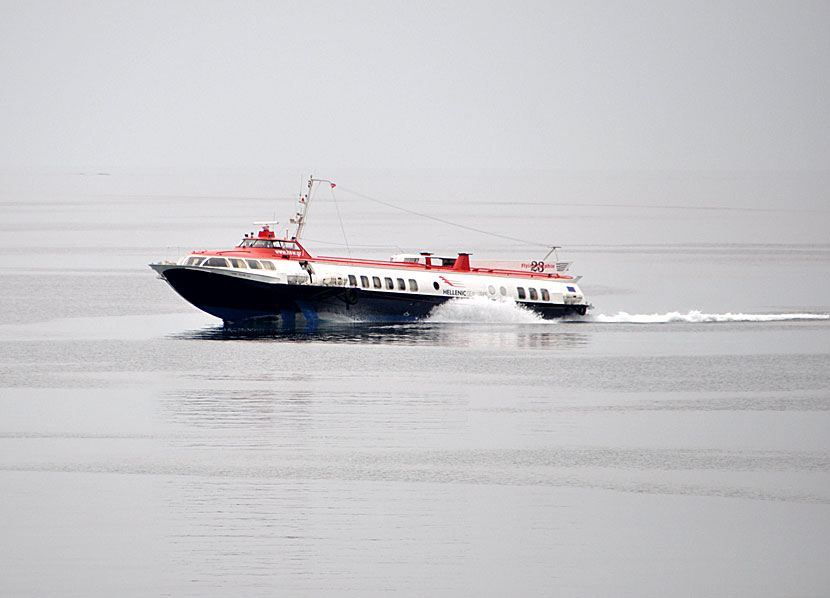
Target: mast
<point>302,209</point>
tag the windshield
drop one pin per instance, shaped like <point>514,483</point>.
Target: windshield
<point>278,244</point>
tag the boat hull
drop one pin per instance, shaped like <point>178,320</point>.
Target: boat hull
<point>237,299</point>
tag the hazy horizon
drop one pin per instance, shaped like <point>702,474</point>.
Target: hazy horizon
<point>569,86</point>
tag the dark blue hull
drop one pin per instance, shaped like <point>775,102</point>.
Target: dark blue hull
<point>236,299</point>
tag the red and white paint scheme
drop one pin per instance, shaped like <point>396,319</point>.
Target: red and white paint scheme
<point>267,277</point>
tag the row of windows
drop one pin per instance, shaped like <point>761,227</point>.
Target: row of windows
<point>532,294</point>
<point>387,283</point>
<point>231,262</point>
<point>376,283</point>
<point>521,293</point>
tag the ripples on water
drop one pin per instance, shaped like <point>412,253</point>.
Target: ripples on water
<point>672,443</point>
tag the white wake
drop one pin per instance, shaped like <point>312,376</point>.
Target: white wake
<point>696,317</point>
<point>483,311</point>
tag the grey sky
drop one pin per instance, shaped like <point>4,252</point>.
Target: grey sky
<point>572,85</point>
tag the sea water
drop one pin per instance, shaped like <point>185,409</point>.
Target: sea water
<point>674,442</point>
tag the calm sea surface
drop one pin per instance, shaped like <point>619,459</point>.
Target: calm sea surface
<point>676,442</point>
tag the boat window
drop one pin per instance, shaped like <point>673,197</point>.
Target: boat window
<point>290,245</point>
<point>262,243</point>
<point>193,261</point>
<point>254,264</point>
<point>545,295</point>
<point>217,262</point>
<point>533,295</point>
<point>491,290</point>
<point>413,285</point>
<point>411,260</point>
<point>364,282</point>
<point>389,284</point>
<point>401,285</point>
<point>503,291</point>
<point>376,282</point>
<point>352,280</point>
<point>237,263</point>
<point>268,265</point>
<point>448,261</point>
<point>521,292</point>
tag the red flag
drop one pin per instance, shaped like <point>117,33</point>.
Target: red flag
<point>333,185</point>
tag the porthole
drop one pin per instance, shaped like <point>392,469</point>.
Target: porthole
<point>491,290</point>
<point>435,285</point>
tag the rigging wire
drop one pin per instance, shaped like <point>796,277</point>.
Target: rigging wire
<point>311,193</point>
<point>361,246</point>
<point>342,228</point>
<point>442,220</point>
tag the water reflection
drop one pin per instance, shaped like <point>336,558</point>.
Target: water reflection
<point>530,336</point>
